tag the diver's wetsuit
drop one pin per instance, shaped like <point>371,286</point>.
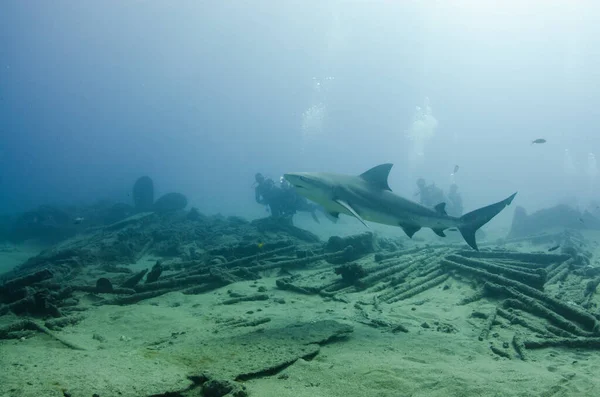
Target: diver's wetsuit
<point>267,193</point>
<point>430,195</point>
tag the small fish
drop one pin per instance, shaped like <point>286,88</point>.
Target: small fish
<point>260,245</point>
<point>78,220</point>
<point>455,169</point>
<point>554,248</point>
<point>539,140</point>
<point>581,220</point>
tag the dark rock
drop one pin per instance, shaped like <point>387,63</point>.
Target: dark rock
<point>362,244</point>
<point>155,273</point>
<point>388,244</point>
<point>194,215</point>
<point>99,338</point>
<point>590,271</point>
<point>39,304</point>
<point>199,379</point>
<point>17,283</point>
<point>103,285</point>
<point>351,272</point>
<point>134,280</point>
<point>220,388</point>
<point>581,260</point>
<point>170,202</point>
<point>10,295</point>
<point>143,194</point>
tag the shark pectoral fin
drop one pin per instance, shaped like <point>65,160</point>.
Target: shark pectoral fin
<point>439,232</point>
<point>440,209</point>
<point>314,216</point>
<point>351,210</point>
<point>410,230</point>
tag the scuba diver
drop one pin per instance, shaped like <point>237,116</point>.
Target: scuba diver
<point>293,202</point>
<point>283,201</point>
<point>268,194</point>
<point>454,206</point>
<point>422,192</point>
<point>429,195</point>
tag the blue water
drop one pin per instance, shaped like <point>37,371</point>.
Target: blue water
<point>202,95</point>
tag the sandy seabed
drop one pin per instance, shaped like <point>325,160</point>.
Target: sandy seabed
<point>150,348</point>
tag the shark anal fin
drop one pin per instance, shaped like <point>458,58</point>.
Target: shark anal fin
<point>439,232</point>
<point>440,209</point>
<point>351,210</point>
<point>410,230</point>
<point>378,176</point>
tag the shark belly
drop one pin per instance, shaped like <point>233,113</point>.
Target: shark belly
<point>403,219</point>
<point>385,218</point>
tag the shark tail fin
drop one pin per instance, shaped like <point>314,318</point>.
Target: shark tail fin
<point>472,221</point>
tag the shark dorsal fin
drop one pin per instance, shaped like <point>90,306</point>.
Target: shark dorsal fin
<point>441,209</point>
<point>378,176</point>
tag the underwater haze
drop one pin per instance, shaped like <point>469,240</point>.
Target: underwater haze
<point>299,198</point>
<point>201,95</point>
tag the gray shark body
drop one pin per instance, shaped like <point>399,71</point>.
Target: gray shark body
<point>368,197</point>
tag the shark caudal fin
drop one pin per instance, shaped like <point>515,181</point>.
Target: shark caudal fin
<point>472,221</point>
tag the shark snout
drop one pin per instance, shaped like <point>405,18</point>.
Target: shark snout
<point>295,179</point>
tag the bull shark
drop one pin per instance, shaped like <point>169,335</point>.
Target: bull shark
<point>368,197</point>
